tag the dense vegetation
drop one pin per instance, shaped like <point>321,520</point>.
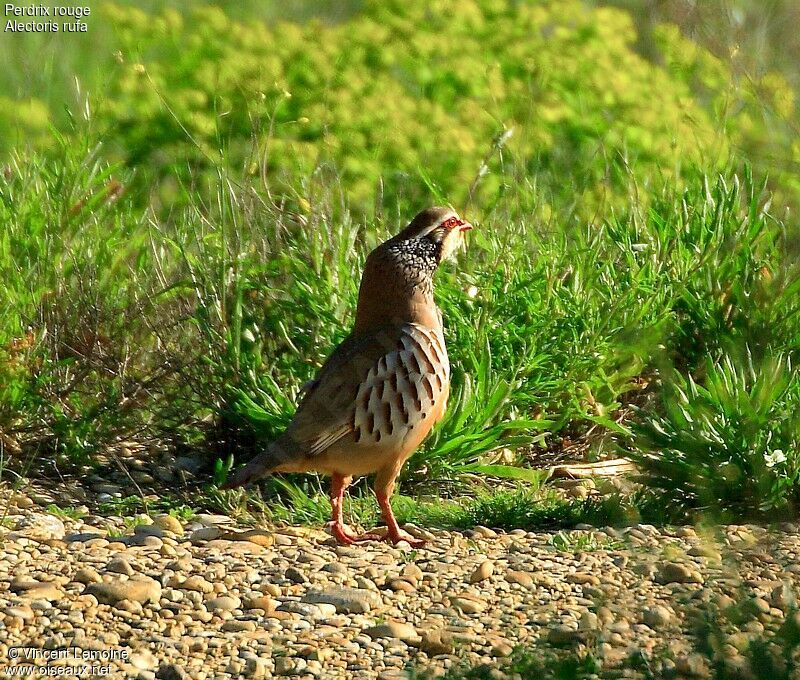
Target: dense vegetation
<point>179,253</point>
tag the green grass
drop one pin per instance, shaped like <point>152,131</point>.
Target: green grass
<point>633,293</point>
<point>770,654</point>
<point>526,663</point>
<point>201,329</point>
<point>65,513</point>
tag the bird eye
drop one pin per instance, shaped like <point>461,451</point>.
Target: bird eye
<point>452,222</point>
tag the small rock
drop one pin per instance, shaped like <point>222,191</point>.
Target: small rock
<point>588,621</point>
<point>295,575</point>
<point>657,617</point>
<point>140,590</point>
<point>693,665</point>
<point>306,610</point>
<point>87,575</point>
<point>412,573</point>
<point>563,635</point>
<point>436,642</point>
<point>39,526</point>
<point>483,572</point>
<point>392,629</point>
<point>120,566</point>
<point>501,649</point>
<point>205,534</point>
<point>401,585</point>
<point>469,604</point>
<point>171,671</point>
<point>37,590</point>
<point>675,572</point>
<point>169,523</point>
<point>197,583</point>
<point>346,600</point>
<point>520,577</point>
<point>146,529</point>
<point>225,603</point>
<point>264,602</point>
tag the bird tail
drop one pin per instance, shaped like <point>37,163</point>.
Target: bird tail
<point>277,453</point>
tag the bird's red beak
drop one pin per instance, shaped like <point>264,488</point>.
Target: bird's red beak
<point>465,227</point>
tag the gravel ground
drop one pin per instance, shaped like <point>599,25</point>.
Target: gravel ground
<point>205,599</point>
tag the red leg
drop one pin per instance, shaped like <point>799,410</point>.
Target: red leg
<point>338,484</point>
<point>396,534</point>
<point>384,485</point>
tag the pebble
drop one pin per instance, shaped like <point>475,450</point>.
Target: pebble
<point>38,526</point>
<point>120,566</point>
<point>437,642</point>
<point>392,629</point>
<point>676,572</point>
<point>520,577</point>
<point>169,523</point>
<point>221,602</point>
<point>565,635</point>
<point>225,603</point>
<point>483,572</point>
<point>137,590</point>
<point>657,617</point>
<point>346,600</point>
<point>468,604</point>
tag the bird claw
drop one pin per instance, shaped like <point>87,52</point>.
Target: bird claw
<point>340,533</point>
<point>369,536</point>
<point>408,538</point>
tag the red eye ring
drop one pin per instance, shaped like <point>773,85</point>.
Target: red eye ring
<point>452,222</point>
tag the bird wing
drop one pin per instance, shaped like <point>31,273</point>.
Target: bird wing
<point>326,412</point>
<point>355,388</point>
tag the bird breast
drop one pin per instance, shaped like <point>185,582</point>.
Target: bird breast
<point>405,393</point>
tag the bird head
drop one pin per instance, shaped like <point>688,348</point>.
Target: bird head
<point>440,226</point>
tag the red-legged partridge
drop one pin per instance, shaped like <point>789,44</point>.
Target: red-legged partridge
<point>381,391</point>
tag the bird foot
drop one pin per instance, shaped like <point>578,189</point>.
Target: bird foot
<point>341,534</point>
<point>396,537</point>
<point>369,536</point>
